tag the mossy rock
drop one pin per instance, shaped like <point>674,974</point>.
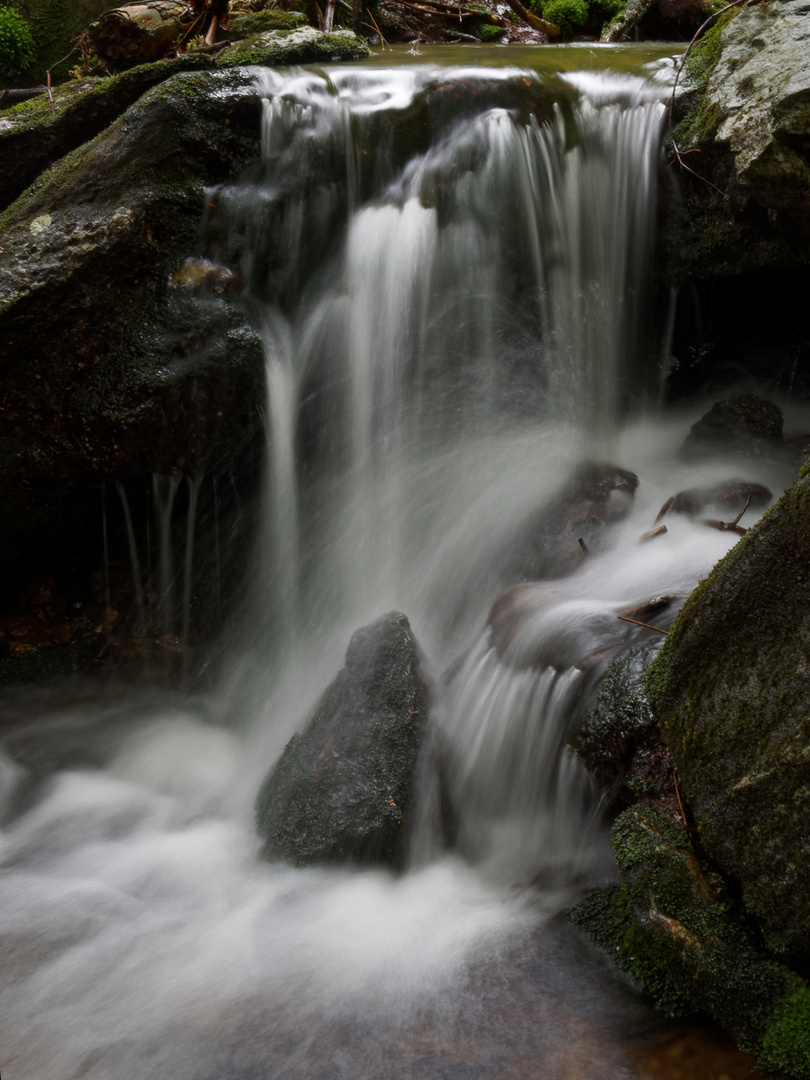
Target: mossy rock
<point>748,115</point>
<point>344,789</point>
<point>259,22</point>
<point>731,685</point>
<point>36,136</point>
<point>619,739</point>
<point>672,925</point>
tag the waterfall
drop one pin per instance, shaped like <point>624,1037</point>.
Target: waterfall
<point>450,269</point>
<point>488,282</point>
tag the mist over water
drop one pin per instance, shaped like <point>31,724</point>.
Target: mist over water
<point>450,272</point>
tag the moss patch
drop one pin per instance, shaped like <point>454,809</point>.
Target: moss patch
<point>673,926</point>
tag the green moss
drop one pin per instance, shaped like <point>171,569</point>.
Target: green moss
<point>673,927</point>
<point>491,33</point>
<point>261,21</point>
<point>16,44</point>
<point>569,15</point>
<point>785,1050</point>
<point>701,119</point>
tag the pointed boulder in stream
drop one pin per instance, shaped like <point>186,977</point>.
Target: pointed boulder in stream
<point>344,789</point>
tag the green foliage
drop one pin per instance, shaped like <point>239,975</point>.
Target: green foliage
<point>491,33</point>
<point>786,1044</point>
<point>607,9</point>
<point>16,44</point>
<point>569,15</point>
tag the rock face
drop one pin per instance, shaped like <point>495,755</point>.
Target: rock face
<point>109,370</point>
<point>113,366</point>
<point>731,685</point>
<point>751,124</point>
<point>620,740</point>
<point>344,789</point>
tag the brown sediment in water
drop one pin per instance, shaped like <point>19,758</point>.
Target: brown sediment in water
<point>693,1053</point>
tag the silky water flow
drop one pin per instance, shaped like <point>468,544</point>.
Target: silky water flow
<point>450,268</point>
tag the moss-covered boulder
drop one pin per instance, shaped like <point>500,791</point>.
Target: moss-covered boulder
<point>113,365</point>
<point>674,927</point>
<point>33,136</point>
<point>750,121</point>
<point>732,685</point>
<point>344,788</point>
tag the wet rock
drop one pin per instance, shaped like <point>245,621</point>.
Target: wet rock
<point>128,374</point>
<point>620,740</point>
<point>730,497</point>
<point>731,686</point>
<point>542,625</point>
<point>673,925</point>
<point>596,497</point>
<point>746,426</point>
<point>344,788</point>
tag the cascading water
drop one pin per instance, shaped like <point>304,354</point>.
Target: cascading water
<point>450,270</point>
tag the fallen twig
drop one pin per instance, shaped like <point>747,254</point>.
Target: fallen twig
<point>583,545</point>
<point>383,42</point>
<point>647,536</point>
<point>646,626</point>
<point>662,512</point>
<point>747,504</point>
<point>689,828</point>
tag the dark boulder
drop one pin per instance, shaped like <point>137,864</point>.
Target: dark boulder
<point>747,426</point>
<point>728,497</point>
<point>344,788</point>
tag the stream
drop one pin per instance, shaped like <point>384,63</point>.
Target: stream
<point>452,270</point>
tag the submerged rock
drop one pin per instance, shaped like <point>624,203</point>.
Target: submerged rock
<point>730,496</point>
<point>551,541</point>
<point>344,788</point>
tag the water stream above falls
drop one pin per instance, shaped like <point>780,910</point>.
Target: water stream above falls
<point>451,269</point>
